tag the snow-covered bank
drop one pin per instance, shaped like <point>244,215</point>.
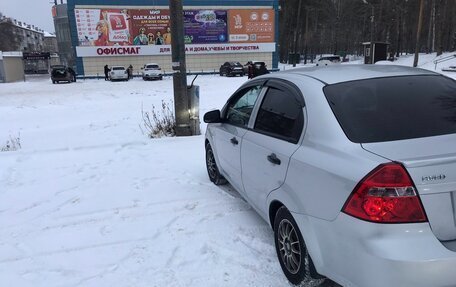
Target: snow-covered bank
<point>425,61</point>
<point>90,201</point>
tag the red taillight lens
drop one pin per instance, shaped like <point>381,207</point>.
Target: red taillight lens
<point>386,195</point>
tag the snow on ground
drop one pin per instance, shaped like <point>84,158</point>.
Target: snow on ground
<point>425,61</point>
<point>91,201</point>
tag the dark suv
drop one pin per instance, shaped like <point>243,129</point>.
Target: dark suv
<point>257,68</point>
<point>62,73</point>
<point>231,69</point>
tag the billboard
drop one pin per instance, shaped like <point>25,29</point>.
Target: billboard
<point>146,27</point>
<point>103,27</point>
<point>251,26</point>
<point>205,26</point>
<point>150,27</point>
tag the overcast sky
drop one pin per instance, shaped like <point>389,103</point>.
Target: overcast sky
<point>35,12</point>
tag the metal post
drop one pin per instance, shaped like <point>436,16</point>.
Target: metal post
<point>372,34</point>
<point>181,106</point>
<point>418,33</point>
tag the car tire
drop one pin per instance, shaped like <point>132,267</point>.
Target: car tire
<point>292,252</point>
<point>212,169</point>
<point>53,82</point>
<point>161,78</point>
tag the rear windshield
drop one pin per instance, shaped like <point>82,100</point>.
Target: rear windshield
<point>152,67</point>
<point>396,108</point>
<point>118,68</point>
<point>332,59</point>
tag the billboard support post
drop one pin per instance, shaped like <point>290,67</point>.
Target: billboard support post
<point>181,103</point>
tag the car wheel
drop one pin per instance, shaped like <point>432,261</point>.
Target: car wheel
<point>212,169</point>
<point>53,82</point>
<point>161,78</point>
<point>292,252</point>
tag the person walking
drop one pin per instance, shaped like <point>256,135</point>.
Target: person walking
<point>250,71</point>
<point>106,72</point>
<point>130,72</point>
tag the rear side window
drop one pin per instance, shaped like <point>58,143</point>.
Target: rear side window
<point>280,115</point>
<point>152,67</point>
<point>396,108</point>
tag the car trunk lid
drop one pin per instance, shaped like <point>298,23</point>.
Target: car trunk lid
<point>431,163</point>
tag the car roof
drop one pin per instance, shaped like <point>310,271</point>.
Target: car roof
<point>344,73</point>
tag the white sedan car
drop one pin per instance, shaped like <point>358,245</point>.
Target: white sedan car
<point>118,73</point>
<point>152,71</point>
<point>353,166</point>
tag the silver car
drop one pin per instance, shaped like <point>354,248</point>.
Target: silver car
<point>354,167</point>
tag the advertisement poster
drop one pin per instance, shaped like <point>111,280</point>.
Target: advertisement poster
<point>251,26</point>
<point>205,26</point>
<point>139,27</point>
<point>103,27</point>
<point>150,27</point>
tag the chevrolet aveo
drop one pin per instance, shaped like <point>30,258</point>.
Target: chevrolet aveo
<point>354,167</point>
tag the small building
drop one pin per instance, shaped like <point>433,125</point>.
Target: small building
<point>379,50</point>
<point>11,67</point>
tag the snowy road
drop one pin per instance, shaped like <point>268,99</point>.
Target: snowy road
<point>90,201</point>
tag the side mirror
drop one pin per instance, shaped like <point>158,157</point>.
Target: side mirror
<point>212,117</point>
<point>142,68</point>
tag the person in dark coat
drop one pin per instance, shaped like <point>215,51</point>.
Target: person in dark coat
<point>106,72</point>
<point>73,73</point>
<point>250,71</point>
<point>130,72</point>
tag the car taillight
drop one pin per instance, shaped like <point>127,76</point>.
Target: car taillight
<point>386,195</point>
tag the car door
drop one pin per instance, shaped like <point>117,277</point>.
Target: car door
<point>269,145</point>
<point>227,136</point>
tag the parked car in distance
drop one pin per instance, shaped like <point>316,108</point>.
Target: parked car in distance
<point>61,73</point>
<point>258,68</point>
<point>152,71</point>
<point>230,69</point>
<point>354,167</point>
<point>329,60</point>
<point>118,73</point>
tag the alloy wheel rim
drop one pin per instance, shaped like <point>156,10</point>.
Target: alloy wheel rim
<point>289,246</point>
<point>210,162</point>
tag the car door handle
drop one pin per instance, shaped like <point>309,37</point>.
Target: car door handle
<point>274,159</point>
<point>234,141</point>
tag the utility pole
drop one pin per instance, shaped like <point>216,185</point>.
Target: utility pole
<point>181,106</point>
<point>418,32</point>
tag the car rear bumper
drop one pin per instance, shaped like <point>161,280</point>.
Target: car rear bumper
<point>119,77</point>
<point>353,252</point>
<point>152,76</point>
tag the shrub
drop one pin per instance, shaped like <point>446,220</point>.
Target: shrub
<point>14,143</point>
<point>159,122</point>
